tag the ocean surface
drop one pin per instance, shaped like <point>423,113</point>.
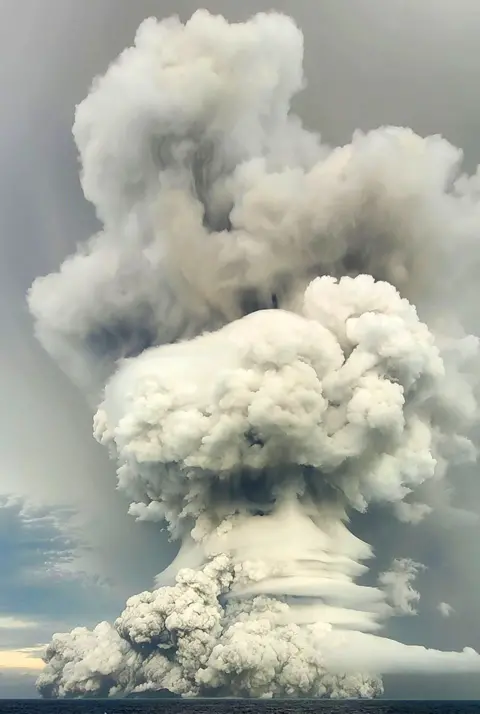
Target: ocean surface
<point>234,706</point>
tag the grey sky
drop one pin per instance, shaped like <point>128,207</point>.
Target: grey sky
<point>367,63</point>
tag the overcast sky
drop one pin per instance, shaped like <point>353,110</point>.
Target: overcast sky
<point>69,552</point>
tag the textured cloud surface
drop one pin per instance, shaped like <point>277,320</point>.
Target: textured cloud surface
<point>268,330</point>
<point>43,584</point>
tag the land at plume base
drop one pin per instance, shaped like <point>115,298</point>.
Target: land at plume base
<point>234,706</point>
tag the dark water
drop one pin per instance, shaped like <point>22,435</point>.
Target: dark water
<point>235,706</point>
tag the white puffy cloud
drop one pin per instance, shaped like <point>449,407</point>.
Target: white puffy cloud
<point>257,314</point>
<point>445,609</point>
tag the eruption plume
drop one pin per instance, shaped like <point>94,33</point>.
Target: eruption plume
<point>267,328</point>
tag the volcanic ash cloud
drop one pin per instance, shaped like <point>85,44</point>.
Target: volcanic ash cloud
<point>246,322</point>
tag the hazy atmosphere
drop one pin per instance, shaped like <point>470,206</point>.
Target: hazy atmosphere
<point>71,552</point>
